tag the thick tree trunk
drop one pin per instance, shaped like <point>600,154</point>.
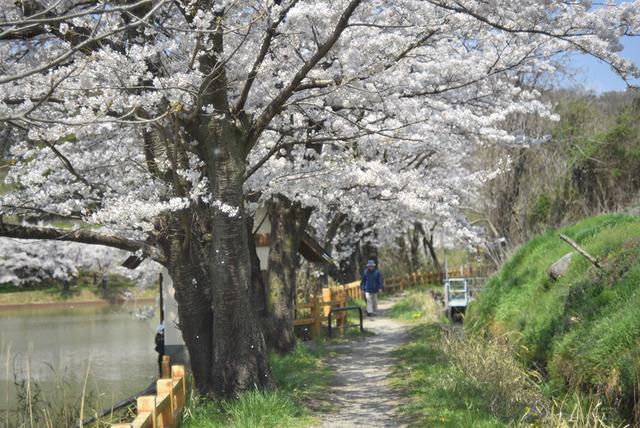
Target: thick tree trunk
<point>239,355</point>
<point>288,222</point>
<point>239,351</point>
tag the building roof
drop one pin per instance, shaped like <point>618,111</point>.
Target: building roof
<point>311,250</point>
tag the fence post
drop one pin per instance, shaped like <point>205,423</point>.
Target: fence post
<point>165,414</point>
<point>326,298</point>
<point>166,367</point>
<point>147,404</point>
<point>179,372</point>
<point>315,314</point>
<point>341,317</point>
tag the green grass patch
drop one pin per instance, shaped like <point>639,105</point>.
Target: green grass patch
<point>251,409</point>
<point>440,392</point>
<point>584,329</point>
<point>82,290</point>
<point>300,377</point>
<point>415,306</point>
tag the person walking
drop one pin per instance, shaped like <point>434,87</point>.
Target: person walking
<point>371,284</point>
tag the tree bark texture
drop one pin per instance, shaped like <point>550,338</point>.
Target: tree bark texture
<point>239,352</point>
<point>288,222</point>
<point>192,283</point>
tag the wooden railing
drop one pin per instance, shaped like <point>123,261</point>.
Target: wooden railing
<point>162,410</point>
<point>336,296</point>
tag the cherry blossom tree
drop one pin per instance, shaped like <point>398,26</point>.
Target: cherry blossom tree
<point>154,122</point>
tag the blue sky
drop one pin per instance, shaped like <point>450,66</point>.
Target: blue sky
<point>597,76</point>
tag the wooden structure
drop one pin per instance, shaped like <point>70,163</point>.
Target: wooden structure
<point>164,409</point>
<point>336,296</point>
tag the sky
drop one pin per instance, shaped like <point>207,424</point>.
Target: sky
<point>597,76</point>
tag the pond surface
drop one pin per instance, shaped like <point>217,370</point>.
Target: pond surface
<point>57,347</point>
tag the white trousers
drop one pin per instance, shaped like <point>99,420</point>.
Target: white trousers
<point>372,302</point>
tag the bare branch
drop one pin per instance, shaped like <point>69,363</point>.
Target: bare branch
<point>594,261</point>
<point>79,235</point>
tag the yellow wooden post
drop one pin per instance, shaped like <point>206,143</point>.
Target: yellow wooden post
<point>315,314</point>
<point>147,406</point>
<point>326,298</point>
<point>166,403</point>
<point>179,372</point>
<point>166,366</point>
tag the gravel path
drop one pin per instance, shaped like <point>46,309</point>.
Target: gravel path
<point>362,396</point>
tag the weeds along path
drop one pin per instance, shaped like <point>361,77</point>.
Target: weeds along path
<point>362,396</point>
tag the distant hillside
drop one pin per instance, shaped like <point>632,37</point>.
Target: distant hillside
<point>582,330</point>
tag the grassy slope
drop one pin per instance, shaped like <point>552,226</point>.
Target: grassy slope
<point>584,328</point>
<point>456,380</point>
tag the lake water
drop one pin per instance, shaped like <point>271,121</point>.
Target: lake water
<point>57,347</point>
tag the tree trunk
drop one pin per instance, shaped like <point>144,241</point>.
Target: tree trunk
<point>239,357</point>
<point>368,252</point>
<point>288,222</point>
<point>258,289</point>
<point>330,270</point>
<point>192,285</point>
<point>414,246</point>
<point>427,243</point>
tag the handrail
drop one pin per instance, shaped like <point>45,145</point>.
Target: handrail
<point>163,409</point>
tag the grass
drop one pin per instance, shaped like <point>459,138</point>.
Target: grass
<point>455,381</point>
<point>84,291</point>
<point>416,306</point>
<point>452,381</point>
<point>300,376</point>
<point>582,330</point>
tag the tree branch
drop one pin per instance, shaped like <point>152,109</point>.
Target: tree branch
<point>594,261</point>
<point>264,49</point>
<point>276,104</point>
<point>79,235</point>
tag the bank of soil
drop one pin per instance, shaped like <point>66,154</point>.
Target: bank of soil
<point>362,396</point>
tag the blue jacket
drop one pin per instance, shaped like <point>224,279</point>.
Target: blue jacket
<point>372,282</point>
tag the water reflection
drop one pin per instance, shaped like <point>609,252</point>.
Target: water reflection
<point>54,347</point>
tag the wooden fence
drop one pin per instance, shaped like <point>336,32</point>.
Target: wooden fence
<point>336,296</point>
<point>162,410</point>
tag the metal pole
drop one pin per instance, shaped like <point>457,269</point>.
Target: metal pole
<point>161,299</point>
<point>444,252</point>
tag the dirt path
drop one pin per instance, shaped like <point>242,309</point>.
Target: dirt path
<point>362,396</point>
